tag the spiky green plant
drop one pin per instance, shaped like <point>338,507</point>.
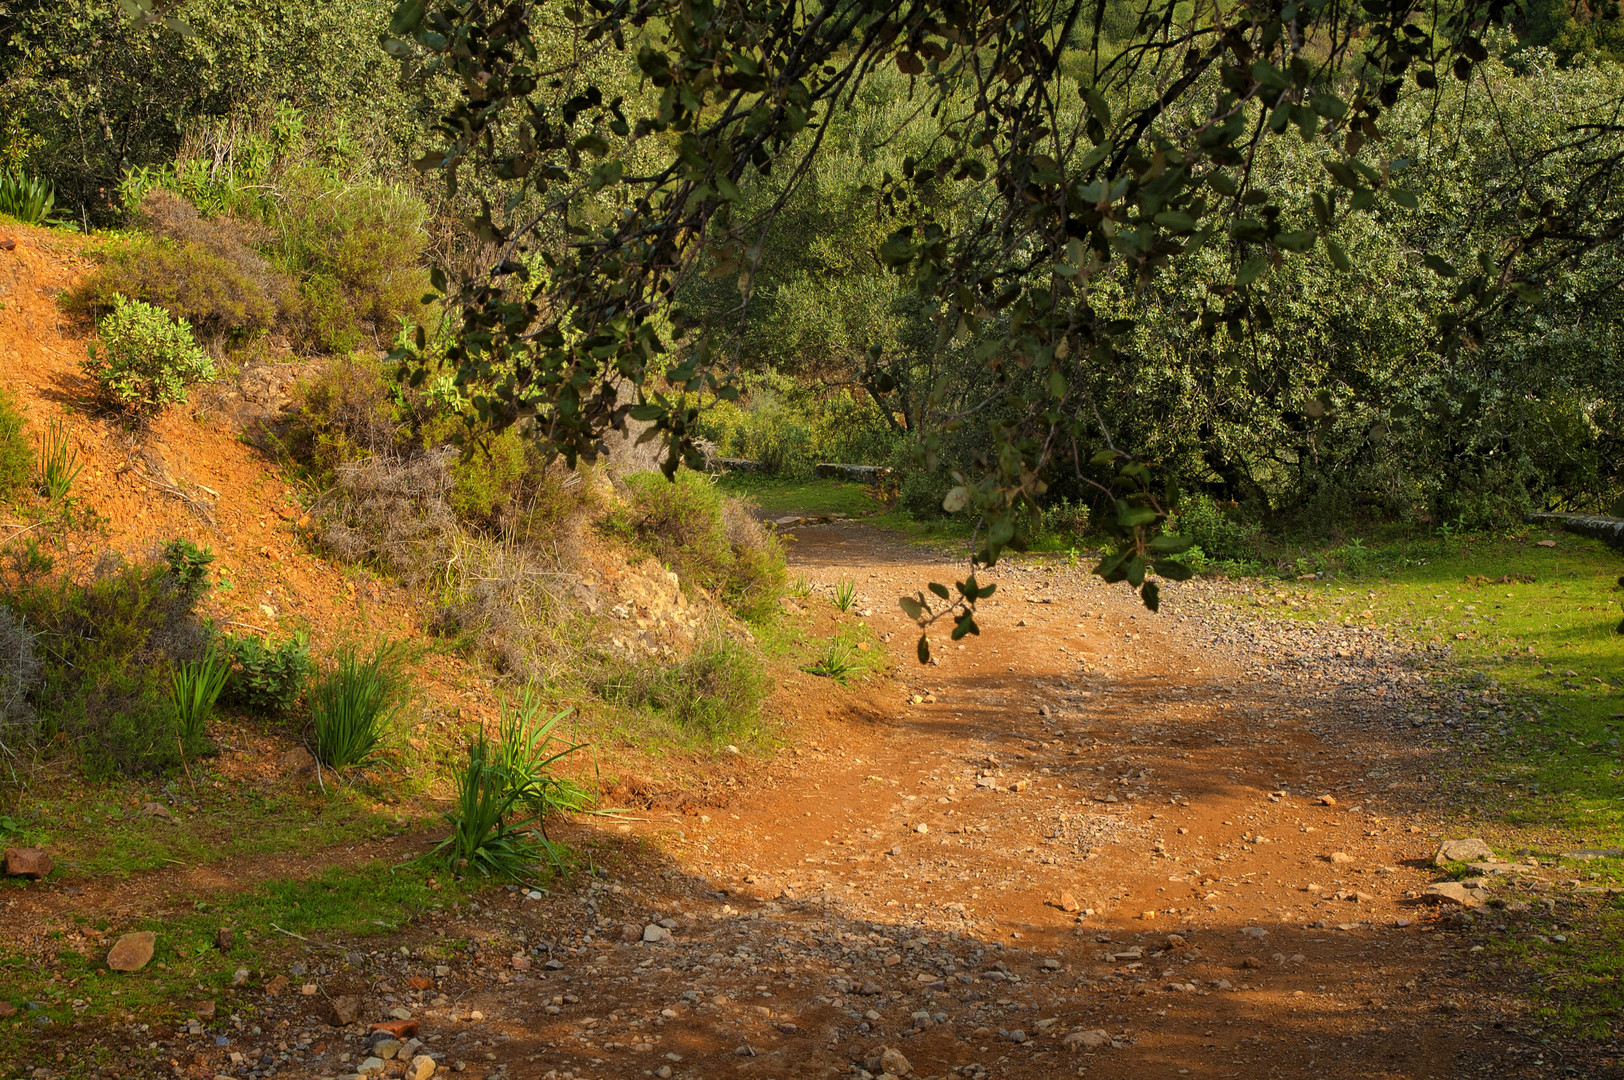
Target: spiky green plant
<point>59,463</point>
<point>194,688</point>
<point>527,752</point>
<point>846,594</point>
<point>483,840</point>
<point>351,702</point>
<point>31,201</point>
<point>838,662</point>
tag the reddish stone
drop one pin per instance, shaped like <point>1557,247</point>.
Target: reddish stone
<point>276,985</point>
<point>27,862</point>
<point>400,1029</point>
<point>419,982</point>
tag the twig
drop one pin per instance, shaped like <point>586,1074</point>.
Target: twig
<point>309,941</point>
<point>315,758</point>
<point>245,626</point>
<point>19,532</point>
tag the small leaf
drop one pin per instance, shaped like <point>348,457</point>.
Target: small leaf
<point>956,499</point>
<point>924,649</point>
<point>1151,594</point>
<point>1250,271</point>
<point>911,607</point>
<point>1339,258</point>
<point>939,589</point>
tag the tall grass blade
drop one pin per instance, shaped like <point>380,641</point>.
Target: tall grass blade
<point>59,463</point>
<point>350,703</point>
<point>194,688</point>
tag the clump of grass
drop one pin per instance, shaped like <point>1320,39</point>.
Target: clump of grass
<point>846,594</point>
<point>715,693</point>
<point>59,463</point>
<point>527,753</point>
<point>194,688</point>
<point>838,661</point>
<point>351,702</point>
<point>482,840</point>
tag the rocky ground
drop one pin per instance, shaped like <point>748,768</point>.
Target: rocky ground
<point>1093,842</point>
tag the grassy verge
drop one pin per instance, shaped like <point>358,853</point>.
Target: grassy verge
<point>71,985</point>
<point>1531,622</point>
<point>776,497</point>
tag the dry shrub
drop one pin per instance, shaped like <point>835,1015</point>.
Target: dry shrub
<point>204,271</point>
<point>393,514</point>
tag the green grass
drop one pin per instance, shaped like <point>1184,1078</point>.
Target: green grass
<point>101,831</point>
<point>1533,631</point>
<point>337,906</point>
<point>778,498</point>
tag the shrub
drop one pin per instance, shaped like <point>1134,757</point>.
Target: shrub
<point>16,453</point>
<point>342,414</point>
<point>267,679</point>
<point>189,566</point>
<point>205,272</point>
<point>108,648</point>
<point>147,359</point>
<point>356,251</point>
<point>1220,537</point>
<point>715,692</point>
<point>351,703</point>
<point>20,672</point>
<point>707,538</point>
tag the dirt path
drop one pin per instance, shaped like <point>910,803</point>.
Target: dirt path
<point>1086,844</point>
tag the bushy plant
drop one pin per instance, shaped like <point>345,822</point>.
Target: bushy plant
<point>357,252</point>
<point>1220,536</point>
<point>189,566</point>
<point>715,692</point>
<point>207,273</point>
<point>20,672</point>
<point>108,647</point>
<point>16,453</point>
<point>352,702</point>
<point>147,359</point>
<point>267,679</point>
<point>707,538</point>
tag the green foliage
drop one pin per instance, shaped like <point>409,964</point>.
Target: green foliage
<point>707,538</point>
<point>838,661</point>
<point>789,429</point>
<point>262,66</point>
<point>108,648</point>
<point>268,679</point>
<point>351,703</point>
<point>194,688</point>
<point>527,754</point>
<point>20,674</point>
<point>146,359</point>
<point>31,201</point>
<point>714,693</point>
<point>1214,529</point>
<point>482,840</point>
<point>59,462</point>
<point>16,453</point>
<point>188,567</point>
<point>207,273</point>
<point>845,594</point>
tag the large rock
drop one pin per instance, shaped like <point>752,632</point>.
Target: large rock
<point>1457,893</point>
<point>132,952</point>
<point>28,862</point>
<point>420,1068</point>
<point>893,1062</point>
<point>1470,849</point>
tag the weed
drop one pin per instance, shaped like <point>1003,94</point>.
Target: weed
<point>195,686</point>
<point>838,661</point>
<point>268,679</point>
<point>16,456</point>
<point>482,840</point>
<point>147,358</point>
<point>59,463</point>
<point>716,692</point>
<point>350,704</point>
<point>846,594</point>
<point>189,566</point>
